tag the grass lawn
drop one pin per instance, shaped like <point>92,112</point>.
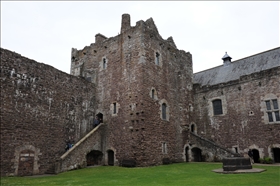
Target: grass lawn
<point>174,174</point>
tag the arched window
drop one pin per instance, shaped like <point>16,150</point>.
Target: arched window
<point>163,111</point>
<point>104,63</point>
<point>153,94</point>
<point>157,58</point>
<point>217,107</point>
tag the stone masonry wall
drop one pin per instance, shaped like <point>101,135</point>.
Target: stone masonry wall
<point>137,131</point>
<point>244,123</point>
<point>41,108</point>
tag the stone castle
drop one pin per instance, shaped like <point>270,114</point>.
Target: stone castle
<point>155,110</point>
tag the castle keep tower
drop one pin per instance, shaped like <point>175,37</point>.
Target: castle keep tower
<point>143,90</point>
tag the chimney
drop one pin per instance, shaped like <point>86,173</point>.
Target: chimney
<point>125,22</point>
<point>226,59</point>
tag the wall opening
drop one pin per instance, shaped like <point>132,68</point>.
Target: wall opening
<point>100,116</point>
<point>192,128</point>
<point>276,155</point>
<point>153,94</point>
<point>196,153</point>
<point>111,159</point>
<point>114,108</point>
<point>104,63</point>
<point>187,154</point>
<point>94,157</point>
<point>157,58</point>
<point>217,107</point>
<point>163,111</point>
<point>164,148</point>
<point>256,156</point>
<point>26,163</point>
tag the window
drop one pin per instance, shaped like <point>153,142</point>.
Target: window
<point>153,94</point>
<point>164,148</point>
<point>163,111</point>
<point>157,58</point>
<point>217,107</point>
<point>272,110</point>
<point>104,63</point>
<point>115,108</point>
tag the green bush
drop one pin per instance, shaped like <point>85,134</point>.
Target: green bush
<point>266,160</point>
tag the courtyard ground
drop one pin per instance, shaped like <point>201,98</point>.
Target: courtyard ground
<point>174,174</point>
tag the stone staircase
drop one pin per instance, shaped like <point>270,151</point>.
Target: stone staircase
<point>75,157</point>
<point>211,148</point>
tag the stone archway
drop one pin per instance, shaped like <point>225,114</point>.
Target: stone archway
<point>26,163</point>
<point>196,153</point>
<point>94,157</point>
<point>111,158</point>
<point>256,156</point>
<point>26,160</point>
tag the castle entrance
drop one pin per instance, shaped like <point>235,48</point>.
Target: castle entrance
<point>26,163</point>
<point>110,157</point>
<point>276,155</point>
<point>196,153</point>
<point>256,156</point>
<point>94,157</point>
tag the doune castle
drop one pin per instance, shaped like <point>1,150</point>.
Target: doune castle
<point>154,109</point>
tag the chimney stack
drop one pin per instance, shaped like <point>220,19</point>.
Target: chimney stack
<point>125,22</point>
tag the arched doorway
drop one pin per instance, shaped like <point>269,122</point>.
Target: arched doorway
<point>187,154</point>
<point>256,156</point>
<point>111,157</point>
<point>276,155</point>
<point>26,163</point>
<point>94,157</point>
<point>100,116</point>
<point>196,153</point>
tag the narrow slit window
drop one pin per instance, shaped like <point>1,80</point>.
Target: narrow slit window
<point>164,148</point>
<point>153,94</point>
<point>157,58</point>
<point>115,108</point>
<point>104,63</point>
<point>163,109</point>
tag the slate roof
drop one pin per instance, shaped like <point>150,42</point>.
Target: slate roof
<point>225,73</point>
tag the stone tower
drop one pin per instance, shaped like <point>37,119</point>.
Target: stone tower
<point>143,91</point>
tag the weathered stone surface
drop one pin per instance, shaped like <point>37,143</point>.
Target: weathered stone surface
<point>244,123</point>
<point>137,130</point>
<point>41,108</point>
<point>236,163</point>
<point>142,86</point>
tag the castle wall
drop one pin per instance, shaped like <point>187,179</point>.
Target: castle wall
<point>244,123</point>
<point>41,108</point>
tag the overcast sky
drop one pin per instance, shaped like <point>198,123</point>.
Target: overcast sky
<point>46,31</point>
